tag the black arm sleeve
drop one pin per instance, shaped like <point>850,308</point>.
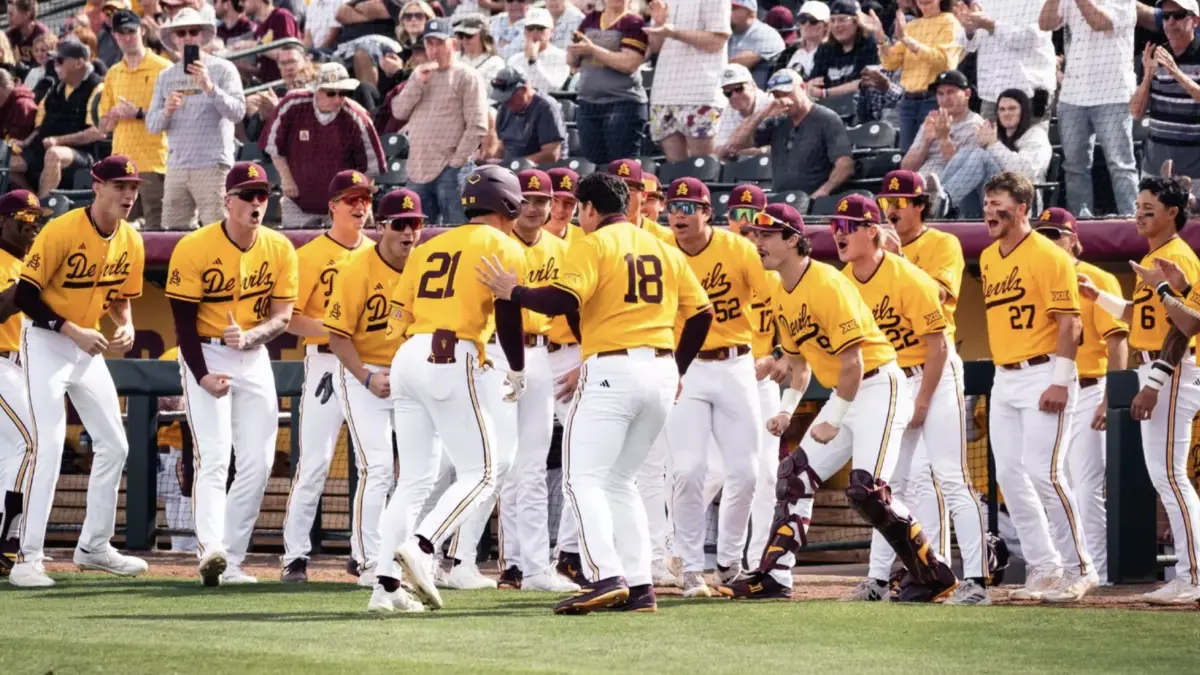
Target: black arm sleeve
<point>187,338</point>
<point>510,333</point>
<point>573,323</point>
<point>546,300</point>
<point>691,339</point>
<point>29,300</point>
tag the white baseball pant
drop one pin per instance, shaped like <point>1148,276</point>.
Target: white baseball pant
<point>719,400</point>
<point>562,361</point>
<point>1030,449</point>
<point>620,407</point>
<point>869,438</point>
<point>54,367</point>
<point>1086,462</point>
<point>244,421</point>
<point>370,421</point>
<point>1166,440</point>
<point>653,479</point>
<point>15,441</point>
<point>320,424</point>
<point>949,481</point>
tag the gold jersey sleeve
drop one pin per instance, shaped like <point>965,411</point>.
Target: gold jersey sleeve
<point>1150,324</point>
<point>81,271</point>
<point>544,259</point>
<point>663,232</point>
<point>940,255</point>
<point>762,320</point>
<point>731,272</point>
<point>359,305</point>
<point>1098,325</point>
<point>904,302</point>
<point>10,330</point>
<point>440,290</point>
<point>630,286</point>
<point>560,329</point>
<point>319,261</point>
<point>822,316</point>
<point>1023,292</point>
<point>208,268</point>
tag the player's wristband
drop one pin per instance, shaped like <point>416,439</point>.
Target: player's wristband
<point>1164,290</point>
<point>1112,304</point>
<point>1064,371</point>
<point>777,353</point>
<point>790,400</point>
<point>367,383</point>
<point>835,410</point>
<point>1160,373</point>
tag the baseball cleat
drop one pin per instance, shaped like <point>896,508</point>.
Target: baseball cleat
<point>570,566</point>
<point>1038,581</point>
<point>1177,591</point>
<point>548,582</point>
<point>109,561</point>
<point>383,602</point>
<point>756,587</point>
<point>694,586</point>
<point>911,590</point>
<point>234,575</point>
<point>662,575</point>
<point>296,572</point>
<point>352,567</point>
<point>970,592</point>
<point>641,599</point>
<point>418,569</point>
<point>212,566</point>
<point>1072,587</point>
<point>731,574</point>
<point>867,590</point>
<point>466,577</point>
<point>366,578</point>
<point>511,578</point>
<point>8,555</point>
<point>29,575</point>
<point>602,594</point>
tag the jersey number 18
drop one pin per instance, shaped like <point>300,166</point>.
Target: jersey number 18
<point>644,273</point>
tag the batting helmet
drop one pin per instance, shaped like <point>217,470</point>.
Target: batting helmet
<point>492,189</point>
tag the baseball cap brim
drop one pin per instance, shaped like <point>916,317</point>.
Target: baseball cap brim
<point>437,35</point>
<point>119,179</point>
<point>249,185</point>
<point>349,84</point>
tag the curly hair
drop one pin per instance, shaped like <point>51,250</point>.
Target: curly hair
<point>1171,192</point>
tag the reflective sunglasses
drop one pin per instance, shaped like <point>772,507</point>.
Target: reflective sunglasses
<point>403,223</point>
<point>356,200</point>
<point>744,213</point>
<point>335,93</point>
<point>1051,233</point>
<point>846,226</point>
<point>806,20</point>
<point>736,89</point>
<point>251,196</point>
<point>887,202</point>
<point>684,208</point>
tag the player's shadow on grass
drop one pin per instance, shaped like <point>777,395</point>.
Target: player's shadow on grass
<point>309,617</point>
<point>186,589</point>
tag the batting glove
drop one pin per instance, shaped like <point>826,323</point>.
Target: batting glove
<point>514,383</point>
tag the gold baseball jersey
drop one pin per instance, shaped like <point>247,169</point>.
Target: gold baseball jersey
<point>81,271</point>
<point>560,330</point>
<point>731,272</point>
<point>904,301</point>
<point>208,268</point>
<point>440,289</point>
<point>940,255</point>
<point>543,260</point>
<point>10,273</point>
<point>630,286</point>
<point>1098,325</point>
<point>1150,323</point>
<point>661,231</point>
<point>821,317</point>
<point>1022,293</point>
<point>762,321</point>
<point>319,263</point>
<point>358,307</point>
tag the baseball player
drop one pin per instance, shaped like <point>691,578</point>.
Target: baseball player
<point>827,330</point>
<point>1104,349</point>
<point>907,307</point>
<point>1032,299</point>
<point>653,200</point>
<point>20,220</point>
<point>439,381</point>
<point>82,265</point>
<point>720,395</point>
<point>628,288</point>
<point>357,320</point>
<point>320,410</point>
<point>232,285</point>
<point>630,171</point>
<point>1162,337</point>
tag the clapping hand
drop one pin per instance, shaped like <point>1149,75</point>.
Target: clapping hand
<point>986,134</point>
<point>493,275</point>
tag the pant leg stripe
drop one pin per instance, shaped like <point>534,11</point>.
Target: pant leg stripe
<point>566,461</point>
<point>1056,480</point>
<point>360,488</point>
<point>887,429</point>
<point>966,473</point>
<point>187,413</point>
<point>1175,490</point>
<point>298,419</point>
<point>487,456</point>
<point>29,463</point>
<point>943,544</point>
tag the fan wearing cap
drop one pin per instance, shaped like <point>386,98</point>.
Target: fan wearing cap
<point>356,317</point>
<point>906,303</point>
<point>438,380</point>
<point>529,123</point>
<point>232,285</point>
<point>630,172</point>
<point>630,289</point>
<point>310,127</point>
<point>745,99</point>
<point>753,44</point>
<point>273,24</point>
<point>320,411</point>
<point>946,139</point>
<point>719,397</point>
<point>827,330</point>
<point>1104,350</point>
<point>813,22</point>
<point>1031,294</point>
<point>83,265</point>
<point>544,64</point>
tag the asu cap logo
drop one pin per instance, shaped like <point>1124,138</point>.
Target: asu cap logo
<point>682,190</point>
<point>565,183</point>
<point>252,171</point>
<point>746,197</point>
<point>407,203</point>
<point>623,170</point>
<point>31,200</point>
<point>535,183</point>
<point>130,169</point>
<point>843,206</point>
<point>356,178</point>
<point>1045,215</point>
<point>894,184</point>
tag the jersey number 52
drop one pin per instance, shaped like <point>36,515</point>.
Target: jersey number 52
<point>644,274</point>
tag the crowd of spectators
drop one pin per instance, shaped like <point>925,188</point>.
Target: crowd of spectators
<point>1032,86</point>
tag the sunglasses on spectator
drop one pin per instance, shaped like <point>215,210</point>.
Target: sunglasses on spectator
<point>735,89</point>
<point>845,225</point>
<point>356,200</point>
<point>806,20</point>
<point>251,196</point>
<point>188,32</point>
<point>887,202</point>
<point>1051,233</point>
<point>405,223</point>
<point>517,2</point>
<point>463,36</point>
<point>1180,15</point>
<point>744,213</point>
<point>109,11</point>
<point>336,93</point>
<point>684,208</point>
<point>412,16</point>
<point>534,29</point>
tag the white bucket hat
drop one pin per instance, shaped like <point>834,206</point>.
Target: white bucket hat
<point>187,18</point>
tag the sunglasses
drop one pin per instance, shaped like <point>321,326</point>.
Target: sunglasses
<point>188,32</point>
<point>745,214</point>
<point>684,208</point>
<point>109,11</point>
<point>846,226</point>
<point>736,89</point>
<point>335,93</point>
<point>356,200</point>
<point>1051,233</point>
<point>412,16</point>
<point>1180,15</point>
<point>807,21</point>
<point>886,202</point>
<point>534,29</point>
<point>405,223</point>
<point>251,196</point>
<point>59,60</point>
<point>463,36</point>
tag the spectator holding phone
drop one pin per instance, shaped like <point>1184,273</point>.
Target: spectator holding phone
<point>1170,93</point>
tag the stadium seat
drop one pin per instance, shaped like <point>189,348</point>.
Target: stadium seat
<point>877,165</point>
<point>272,173</point>
<point>521,164</point>
<point>649,165</point>
<point>249,152</point>
<point>873,135</point>
<point>577,164</point>
<point>274,212</point>
<point>59,204</point>
<point>706,168</point>
<point>747,170</point>
<point>395,145</point>
<point>845,105</point>
<point>1048,192</point>
<point>569,108</point>
<point>720,206</point>
<point>397,173</point>
<point>794,198</point>
<point>825,206</point>
<point>574,147</point>
<point>1055,136</point>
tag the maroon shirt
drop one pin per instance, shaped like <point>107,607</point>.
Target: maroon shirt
<point>280,24</point>
<point>18,114</point>
<point>315,151</point>
<point>242,29</point>
<point>23,46</point>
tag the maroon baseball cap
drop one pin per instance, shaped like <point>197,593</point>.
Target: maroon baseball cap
<point>1056,218</point>
<point>402,203</point>
<point>688,190</point>
<point>350,180</point>
<point>246,176</point>
<point>652,185</point>
<point>19,201</point>
<point>535,183</point>
<point>778,218</point>
<point>564,180</point>
<point>628,170</point>
<point>902,183</point>
<point>116,169</point>
<point>748,195</point>
<point>858,208</point>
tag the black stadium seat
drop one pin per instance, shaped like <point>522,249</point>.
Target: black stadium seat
<point>794,198</point>
<point>649,165</point>
<point>249,152</point>
<point>521,164</point>
<point>873,135</point>
<point>747,170</point>
<point>395,145</point>
<point>720,206</point>
<point>706,168</point>
<point>397,173</point>
<point>577,164</point>
<point>58,204</point>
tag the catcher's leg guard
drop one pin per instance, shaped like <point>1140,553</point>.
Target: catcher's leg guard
<point>14,505</point>
<point>997,556</point>
<point>796,481</point>
<point>873,500</point>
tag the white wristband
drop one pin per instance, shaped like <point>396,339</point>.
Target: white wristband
<point>1160,373</point>
<point>1112,304</point>
<point>835,410</point>
<point>1064,371</point>
<point>1154,383</point>
<point>790,400</point>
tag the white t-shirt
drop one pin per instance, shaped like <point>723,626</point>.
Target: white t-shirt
<point>686,75</point>
<point>550,71</point>
<point>730,118</point>
<point>322,18</point>
<point>1099,67</point>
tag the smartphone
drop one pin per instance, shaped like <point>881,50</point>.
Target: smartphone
<point>577,37</point>
<point>191,54</point>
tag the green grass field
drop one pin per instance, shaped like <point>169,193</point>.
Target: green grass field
<point>92,624</point>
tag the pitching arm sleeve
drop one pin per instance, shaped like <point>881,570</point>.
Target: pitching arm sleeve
<point>510,333</point>
<point>691,339</point>
<point>573,324</point>
<point>548,300</point>
<point>187,338</point>
<point>29,300</point>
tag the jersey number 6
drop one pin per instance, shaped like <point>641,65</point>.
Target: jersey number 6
<point>645,278</point>
<point>447,266</point>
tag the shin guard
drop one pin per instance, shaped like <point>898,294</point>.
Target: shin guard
<point>14,505</point>
<point>795,481</point>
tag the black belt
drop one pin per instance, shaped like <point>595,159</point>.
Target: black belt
<point>531,340</point>
<point>917,95</point>
<point>1020,365</point>
<point>212,340</point>
<point>321,349</point>
<point>1085,382</point>
<point>913,370</point>
<point>658,352</point>
<point>871,373</point>
<point>552,346</point>
<point>723,353</point>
